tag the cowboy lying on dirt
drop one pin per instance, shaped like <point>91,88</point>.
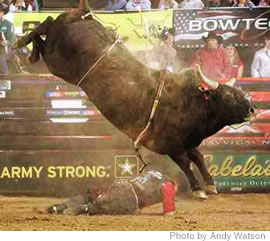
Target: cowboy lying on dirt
<point>123,197</point>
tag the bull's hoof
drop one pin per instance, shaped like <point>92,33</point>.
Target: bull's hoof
<point>199,194</point>
<point>210,189</point>
<point>19,43</point>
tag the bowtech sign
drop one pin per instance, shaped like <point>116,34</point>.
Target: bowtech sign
<point>241,27</point>
<point>229,24</point>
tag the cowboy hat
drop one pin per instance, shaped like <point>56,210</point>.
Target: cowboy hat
<point>165,32</point>
<point>4,8</point>
<point>212,35</point>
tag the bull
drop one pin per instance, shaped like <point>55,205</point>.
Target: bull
<point>124,90</point>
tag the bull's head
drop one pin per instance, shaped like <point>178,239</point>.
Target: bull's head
<point>231,103</point>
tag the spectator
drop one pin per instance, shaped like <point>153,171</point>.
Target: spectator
<point>21,6</point>
<point>213,58</point>
<point>219,3</point>
<point>226,3</point>
<point>40,4</point>
<point>134,5</point>
<point>13,6</point>
<point>166,51</point>
<point>191,4</point>
<point>263,3</point>
<point>234,2</point>
<point>154,4</point>
<point>261,63</point>
<point>7,37</point>
<point>214,3</point>
<point>123,197</point>
<point>31,5</point>
<point>244,3</point>
<point>167,4</point>
<point>116,5</point>
<point>237,65</point>
<point>164,55</point>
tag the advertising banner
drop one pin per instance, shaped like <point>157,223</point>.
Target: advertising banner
<point>240,172</point>
<point>52,135</point>
<point>238,26</point>
<point>139,30</point>
<point>240,33</point>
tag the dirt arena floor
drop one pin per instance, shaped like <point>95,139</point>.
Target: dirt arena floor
<point>220,212</point>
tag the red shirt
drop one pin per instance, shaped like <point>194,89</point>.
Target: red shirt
<point>235,68</point>
<point>214,63</point>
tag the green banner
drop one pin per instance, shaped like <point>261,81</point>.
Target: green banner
<point>239,172</point>
<point>24,21</point>
<point>139,30</point>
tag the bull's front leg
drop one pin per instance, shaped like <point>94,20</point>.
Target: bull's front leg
<point>197,157</point>
<point>184,163</point>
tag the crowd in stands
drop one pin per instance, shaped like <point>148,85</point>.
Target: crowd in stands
<point>217,61</point>
<point>133,5</point>
<point>22,5</point>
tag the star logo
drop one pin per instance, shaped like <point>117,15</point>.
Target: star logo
<point>126,166</point>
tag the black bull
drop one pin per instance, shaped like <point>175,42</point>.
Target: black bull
<point>123,89</point>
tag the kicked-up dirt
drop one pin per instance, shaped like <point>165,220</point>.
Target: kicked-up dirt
<point>219,212</point>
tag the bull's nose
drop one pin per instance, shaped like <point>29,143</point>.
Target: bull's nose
<point>251,110</point>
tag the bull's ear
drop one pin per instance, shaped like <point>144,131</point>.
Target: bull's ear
<point>231,82</point>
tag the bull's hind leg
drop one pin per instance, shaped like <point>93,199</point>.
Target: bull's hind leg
<point>42,29</point>
<point>35,54</point>
<point>196,156</point>
<point>184,163</point>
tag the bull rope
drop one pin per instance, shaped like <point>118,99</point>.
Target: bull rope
<point>98,61</point>
<point>93,15</point>
<point>150,120</point>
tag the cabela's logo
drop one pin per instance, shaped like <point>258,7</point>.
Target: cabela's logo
<point>251,168</point>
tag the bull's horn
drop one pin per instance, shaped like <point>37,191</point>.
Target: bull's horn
<point>231,82</point>
<point>213,84</point>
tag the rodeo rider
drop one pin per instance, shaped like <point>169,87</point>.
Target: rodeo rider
<point>124,197</point>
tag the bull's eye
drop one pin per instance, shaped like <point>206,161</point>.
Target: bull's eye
<point>207,92</point>
<point>251,110</point>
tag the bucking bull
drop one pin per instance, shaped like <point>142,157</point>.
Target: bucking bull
<point>124,90</point>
